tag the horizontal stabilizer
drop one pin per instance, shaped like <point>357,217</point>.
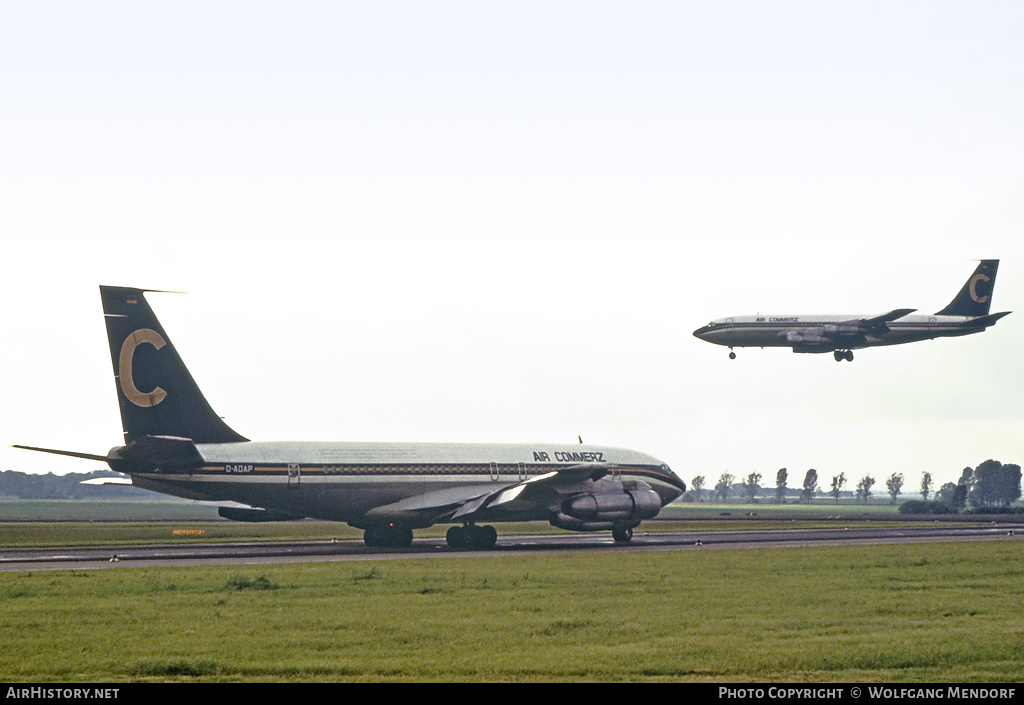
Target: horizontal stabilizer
<point>70,453</point>
<point>985,321</point>
<point>107,481</point>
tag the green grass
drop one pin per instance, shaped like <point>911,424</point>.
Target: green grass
<point>37,534</point>
<point>127,521</point>
<point>22,534</point>
<point>817,508</point>
<point>104,510</point>
<point>925,613</point>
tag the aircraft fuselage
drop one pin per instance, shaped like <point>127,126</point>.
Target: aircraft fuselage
<point>768,331</point>
<point>368,483</point>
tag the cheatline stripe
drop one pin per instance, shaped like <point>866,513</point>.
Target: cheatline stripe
<point>511,473</point>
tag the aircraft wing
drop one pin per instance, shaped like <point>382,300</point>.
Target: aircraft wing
<point>535,495</point>
<point>876,323</point>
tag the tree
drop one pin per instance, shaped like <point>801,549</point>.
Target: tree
<point>780,485</point>
<point>994,484</point>
<point>959,500</point>
<point>1011,483</point>
<point>837,485</point>
<point>963,487</point>
<point>894,485</point>
<point>926,485</point>
<point>724,486</point>
<point>946,494</point>
<point>751,485</point>
<point>697,485</point>
<point>864,488</point>
<point>810,485</point>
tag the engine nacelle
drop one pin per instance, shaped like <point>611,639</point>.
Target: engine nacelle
<point>801,338</point>
<point>626,505</point>
<point>835,329</point>
<point>569,524</point>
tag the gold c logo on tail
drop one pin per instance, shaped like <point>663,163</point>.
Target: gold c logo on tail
<point>124,368</point>
<point>974,293</point>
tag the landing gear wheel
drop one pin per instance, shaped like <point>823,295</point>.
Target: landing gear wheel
<point>732,355</point>
<point>841,355</point>
<point>388,536</point>
<point>471,536</point>
<point>622,534</point>
<point>488,536</point>
<point>455,537</point>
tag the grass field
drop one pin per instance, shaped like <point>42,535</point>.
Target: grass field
<point>926,613</point>
<point>127,521</point>
<point>133,509</point>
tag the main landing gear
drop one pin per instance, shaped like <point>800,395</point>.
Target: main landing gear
<point>471,536</point>
<point>841,355</point>
<point>389,536</point>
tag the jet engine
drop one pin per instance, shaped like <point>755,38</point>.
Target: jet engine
<point>800,338</point>
<point>837,329</point>
<point>627,505</point>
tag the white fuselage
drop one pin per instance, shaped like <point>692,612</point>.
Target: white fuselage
<point>345,481</point>
<point>775,330</point>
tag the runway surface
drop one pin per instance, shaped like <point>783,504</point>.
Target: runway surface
<point>84,558</point>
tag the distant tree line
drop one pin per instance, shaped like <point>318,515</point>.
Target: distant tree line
<point>49,486</point>
<point>989,488</point>
<point>992,486</point>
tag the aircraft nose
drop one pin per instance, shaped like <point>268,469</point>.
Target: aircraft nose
<point>702,332</point>
<point>675,480</point>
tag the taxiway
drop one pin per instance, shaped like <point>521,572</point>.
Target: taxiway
<point>194,554</point>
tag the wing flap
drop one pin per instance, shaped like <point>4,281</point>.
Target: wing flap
<point>463,503</point>
<point>878,322</point>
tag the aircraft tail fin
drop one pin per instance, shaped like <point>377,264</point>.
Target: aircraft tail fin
<point>156,392</point>
<point>975,297</point>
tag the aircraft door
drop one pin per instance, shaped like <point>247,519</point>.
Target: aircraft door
<point>495,474</point>
<point>294,475</point>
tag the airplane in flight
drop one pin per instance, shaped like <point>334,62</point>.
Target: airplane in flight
<point>966,314</point>
<point>176,444</point>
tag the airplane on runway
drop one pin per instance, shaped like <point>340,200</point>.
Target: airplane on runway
<point>966,314</point>
<point>176,444</point>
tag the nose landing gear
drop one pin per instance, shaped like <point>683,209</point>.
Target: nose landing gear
<point>622,534</point>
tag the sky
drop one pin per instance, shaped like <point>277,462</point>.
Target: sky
<point>501,222</point>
